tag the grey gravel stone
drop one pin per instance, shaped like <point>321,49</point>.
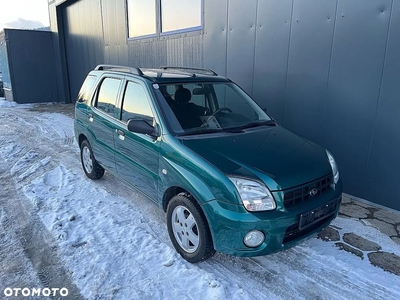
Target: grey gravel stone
<point>396,240</point>
<point>386,261</point>
<point>387,216</point>
<point>383,227</point>
<point>347,248</point>
<point>329,234</point>
<point>360,243</point>
<point>365,205</point>
<point>354,211</point>
<point>346,199</point>
<point>335,227</point>
<point>344,216</point>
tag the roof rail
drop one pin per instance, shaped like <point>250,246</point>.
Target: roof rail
<point>207,71</point>
<point>132,70</point>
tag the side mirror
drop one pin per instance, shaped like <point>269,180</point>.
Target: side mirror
<point>141,126</point>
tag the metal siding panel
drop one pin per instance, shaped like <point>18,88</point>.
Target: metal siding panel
<point>353,88</point>
<point>57,55</point>
<point>4,63</point>
<point>96,31</point>
<point>114,18</point>
<point>271,54</point>
<point>308,66</point>
<point>32,62</point>
<point>143,54</point>
<point>241,42</point>
<point>121,25</point>
<point>83,41</point>
<point>383,173</point>
<point>215,35</point>
<point>174,51</point>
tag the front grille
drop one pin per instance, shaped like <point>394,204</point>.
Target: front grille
<point>302,193</point>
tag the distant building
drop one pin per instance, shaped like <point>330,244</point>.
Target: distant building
<point>328,70</point>
<point>27,66</point>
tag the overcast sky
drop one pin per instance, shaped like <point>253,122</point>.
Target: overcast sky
<point>23,14</point>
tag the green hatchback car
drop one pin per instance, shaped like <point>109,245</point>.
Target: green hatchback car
<point>228,176</point>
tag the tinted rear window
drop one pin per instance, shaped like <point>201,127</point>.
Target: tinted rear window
<point>86,89</point>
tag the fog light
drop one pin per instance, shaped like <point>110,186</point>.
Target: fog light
<point>254,238</point>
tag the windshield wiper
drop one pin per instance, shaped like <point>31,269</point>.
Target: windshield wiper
<point>211,130</point>
<point>255,124</point>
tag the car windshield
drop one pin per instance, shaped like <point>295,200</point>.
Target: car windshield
<point>212,107</point>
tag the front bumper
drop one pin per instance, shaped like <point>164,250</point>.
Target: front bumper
<point>230,223</point>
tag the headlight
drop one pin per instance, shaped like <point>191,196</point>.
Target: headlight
<point>335,169</point>
<point>255,196</point>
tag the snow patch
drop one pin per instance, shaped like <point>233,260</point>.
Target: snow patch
<point>27,159</point>
<point>34,167</point>
<point>109,250</point>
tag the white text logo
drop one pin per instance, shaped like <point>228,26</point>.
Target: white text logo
<point>26,292</point>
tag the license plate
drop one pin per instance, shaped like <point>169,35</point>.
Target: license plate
<point>309,218</point>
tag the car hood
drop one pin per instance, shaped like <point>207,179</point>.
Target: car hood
<point>273,154</point>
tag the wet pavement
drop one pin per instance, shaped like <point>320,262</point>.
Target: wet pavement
<point>385,220</point>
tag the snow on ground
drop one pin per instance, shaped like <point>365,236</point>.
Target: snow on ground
<point>7,104</point>
<point>115,245</point>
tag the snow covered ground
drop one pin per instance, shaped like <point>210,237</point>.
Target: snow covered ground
<point>113,243</point>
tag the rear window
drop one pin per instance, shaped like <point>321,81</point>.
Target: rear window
<point>86,88</point>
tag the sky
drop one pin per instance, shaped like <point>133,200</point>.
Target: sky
<point>26,14</point>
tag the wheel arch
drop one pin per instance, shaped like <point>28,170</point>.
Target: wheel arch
<point>172,192</point>
<point>81,138</point>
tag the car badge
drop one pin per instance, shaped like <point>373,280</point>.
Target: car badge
<point>313,192</point>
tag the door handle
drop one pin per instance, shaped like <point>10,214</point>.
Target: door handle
<point>121,134</point>
<point>90,116</point>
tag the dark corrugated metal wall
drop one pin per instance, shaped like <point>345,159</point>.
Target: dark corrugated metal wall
<point>31,66</point>
<point>328,70</point>
<point>115,32</point>
<point>383,168</point>
<point>354,81</point>
<point>186,50</point>
<point>84,40</point>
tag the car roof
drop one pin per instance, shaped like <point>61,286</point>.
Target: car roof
<point>167,74</point>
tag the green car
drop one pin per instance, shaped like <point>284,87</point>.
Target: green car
<point>228,176</point>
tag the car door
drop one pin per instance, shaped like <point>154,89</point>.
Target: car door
<point>137,155</point>
<point>103,121</point>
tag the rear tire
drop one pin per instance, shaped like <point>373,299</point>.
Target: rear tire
<point>90,166</point>
<point>188,229</point>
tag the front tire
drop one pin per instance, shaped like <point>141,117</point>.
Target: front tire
<point>188,229</point>
<point>90,166</point>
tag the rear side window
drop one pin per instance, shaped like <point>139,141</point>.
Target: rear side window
<point>136,104</point>
<point>86,88</point>
<point>107,96</point>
